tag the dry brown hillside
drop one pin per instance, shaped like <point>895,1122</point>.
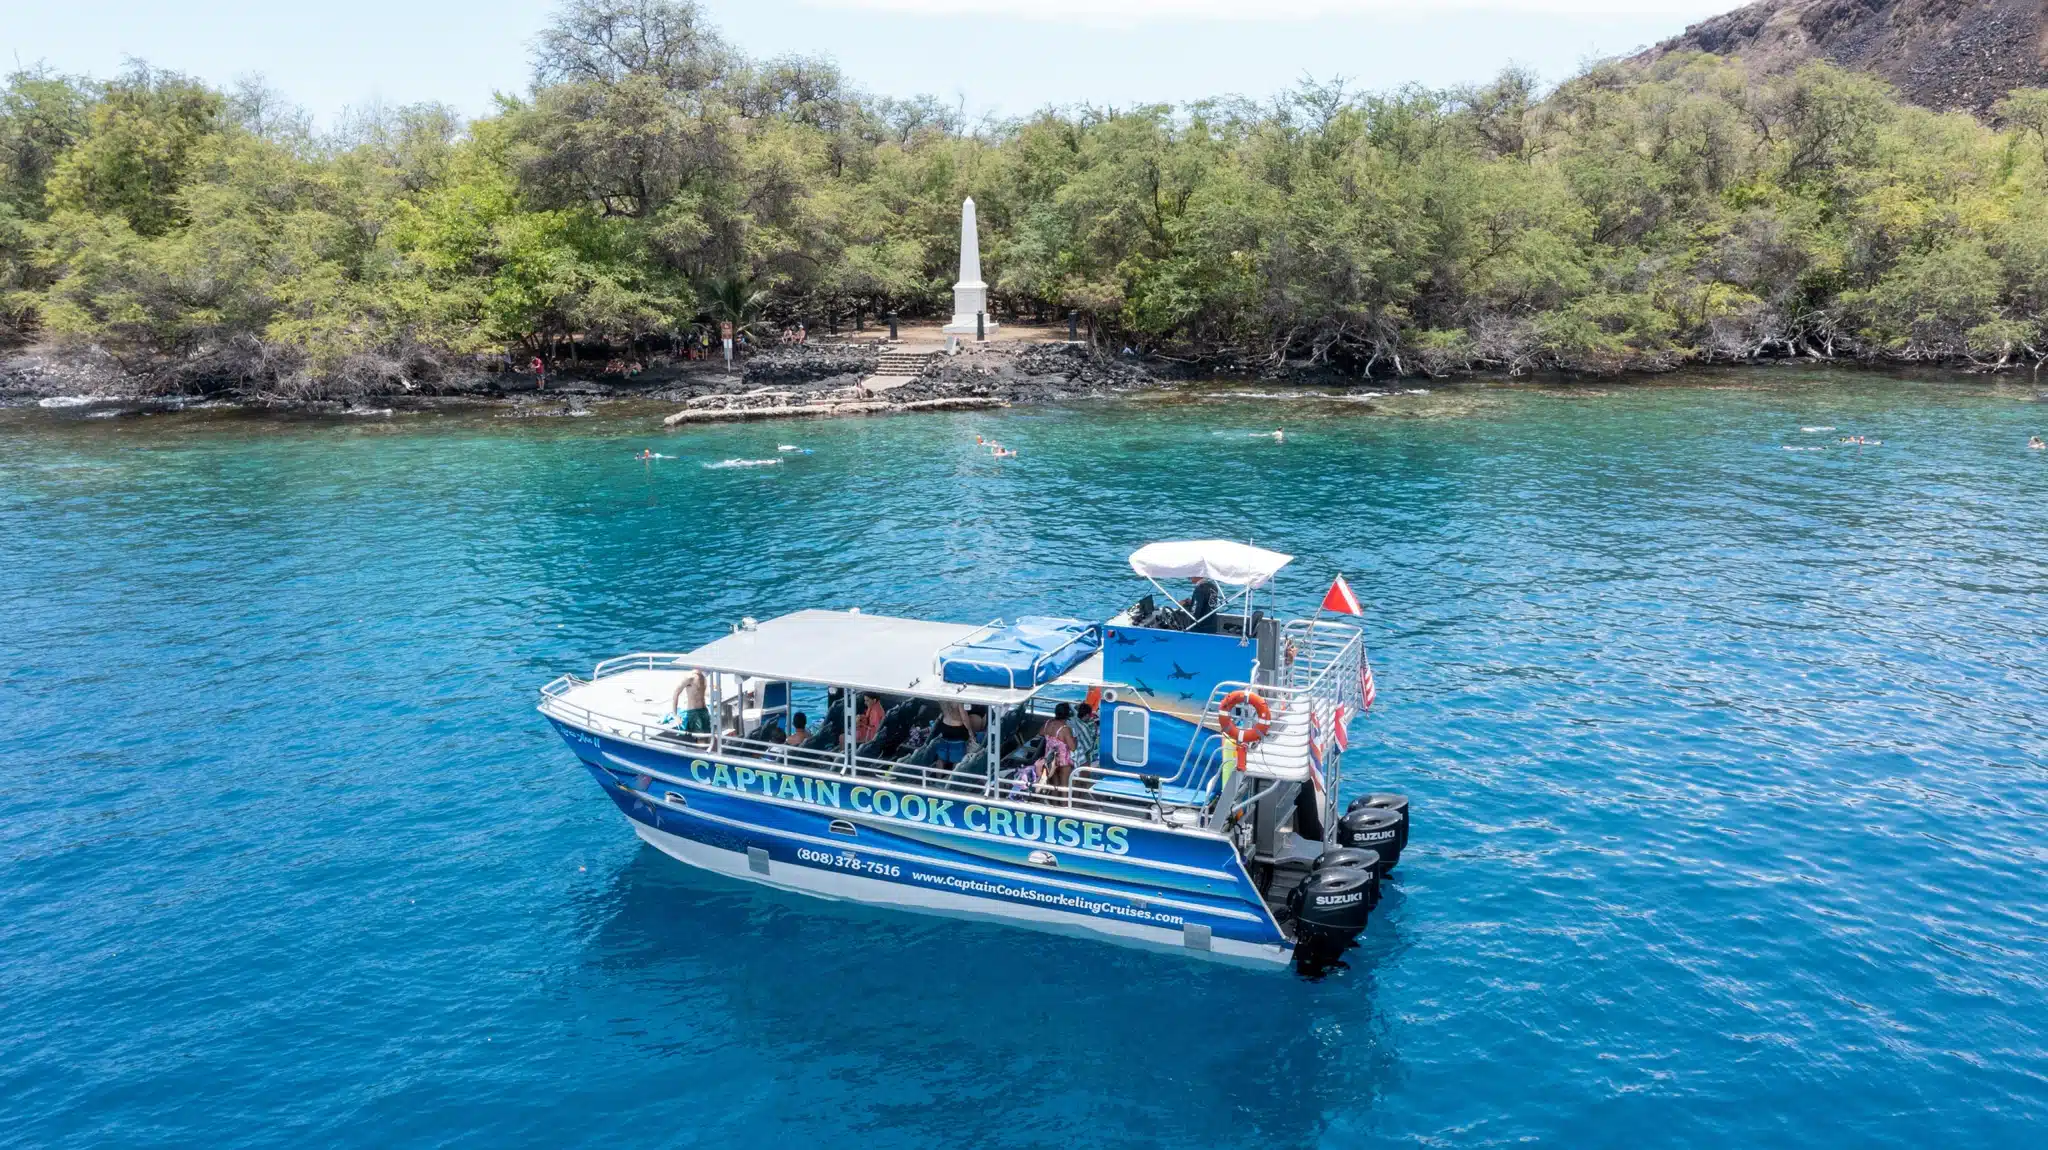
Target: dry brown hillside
<point>1945,54</point>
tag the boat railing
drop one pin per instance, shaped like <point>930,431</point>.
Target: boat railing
<point>966,778</point>
<point>642,661</point>
<point>768,751</point>
<point>1320,674</point>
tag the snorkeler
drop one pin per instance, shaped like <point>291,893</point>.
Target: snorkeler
<point>2035,444</point>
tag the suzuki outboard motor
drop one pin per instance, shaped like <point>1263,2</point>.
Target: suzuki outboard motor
<point>1386,802</point>
<point>1330,909</point>
<point>1375,829</point>
<point>1358,857</point>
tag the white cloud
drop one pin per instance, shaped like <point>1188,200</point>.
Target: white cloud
<point>1144,11</point>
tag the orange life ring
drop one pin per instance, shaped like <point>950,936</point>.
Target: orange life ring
<point>1248,733</point>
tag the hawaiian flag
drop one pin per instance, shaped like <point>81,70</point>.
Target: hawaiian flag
<point>1340,600</point>
<point>1340,720</point>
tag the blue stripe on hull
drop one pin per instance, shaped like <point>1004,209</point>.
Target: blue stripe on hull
<point>1180,890</point>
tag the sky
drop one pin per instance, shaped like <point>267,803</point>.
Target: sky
<point>997,59</point>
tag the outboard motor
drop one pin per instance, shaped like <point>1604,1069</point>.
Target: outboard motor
<point>1358,857</point>
<point>1386,802</point>
<point>1330,910</point>
<point>1375,829</point>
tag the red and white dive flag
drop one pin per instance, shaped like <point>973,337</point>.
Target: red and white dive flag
<point>1340,599</point>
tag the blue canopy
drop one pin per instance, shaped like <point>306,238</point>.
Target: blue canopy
<point>1031,652</point>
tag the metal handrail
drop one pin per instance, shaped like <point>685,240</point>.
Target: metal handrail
<point>1321,664</point>
<point>926,778</point>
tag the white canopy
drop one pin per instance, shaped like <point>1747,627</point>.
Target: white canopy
<point>1234,564</point>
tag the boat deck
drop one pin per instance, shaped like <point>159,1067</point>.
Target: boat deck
<point>626,703</point>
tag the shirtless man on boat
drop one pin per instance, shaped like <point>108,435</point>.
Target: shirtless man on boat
<point>696,717</point>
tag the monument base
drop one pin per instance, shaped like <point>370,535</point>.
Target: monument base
<point>964,325</point>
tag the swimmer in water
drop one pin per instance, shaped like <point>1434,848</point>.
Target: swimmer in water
<point>2035,444</point>
<point>1002,454</point>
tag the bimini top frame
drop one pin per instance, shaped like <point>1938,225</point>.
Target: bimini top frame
<point>1237,565</point>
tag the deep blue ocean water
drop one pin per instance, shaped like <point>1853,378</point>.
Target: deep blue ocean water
<point>1729,766</point>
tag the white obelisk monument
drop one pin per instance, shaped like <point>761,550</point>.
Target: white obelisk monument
<point>970,295</point>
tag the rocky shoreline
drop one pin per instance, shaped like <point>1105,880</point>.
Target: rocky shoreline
<point>821,379</point>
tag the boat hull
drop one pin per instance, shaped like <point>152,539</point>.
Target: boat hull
<point>825,837</point>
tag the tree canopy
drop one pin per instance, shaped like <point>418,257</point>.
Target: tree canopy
<point>654,179</point>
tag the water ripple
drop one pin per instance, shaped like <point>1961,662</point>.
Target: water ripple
<point>1728,767</point>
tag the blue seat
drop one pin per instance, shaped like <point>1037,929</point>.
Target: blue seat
<point>1168,792</point>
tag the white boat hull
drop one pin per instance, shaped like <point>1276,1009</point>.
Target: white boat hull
<point>856,888</point>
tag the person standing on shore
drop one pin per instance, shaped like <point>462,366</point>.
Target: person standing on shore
<point>540,373</point>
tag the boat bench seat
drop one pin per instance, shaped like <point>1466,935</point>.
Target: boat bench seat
<point>1168,792</point>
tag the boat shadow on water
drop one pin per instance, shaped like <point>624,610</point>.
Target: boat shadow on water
<point>904,1006</point>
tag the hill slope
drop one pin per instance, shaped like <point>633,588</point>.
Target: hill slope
<point>1944,54</point>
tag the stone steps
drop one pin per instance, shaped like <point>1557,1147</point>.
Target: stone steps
<point>905,363</point>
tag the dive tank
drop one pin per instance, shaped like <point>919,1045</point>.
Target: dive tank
<point>1375,829</point>
<point>1396,803</point>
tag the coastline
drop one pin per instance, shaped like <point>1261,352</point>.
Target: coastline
<point>825,380</point>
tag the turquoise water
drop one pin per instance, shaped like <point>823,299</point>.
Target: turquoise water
<point>1728,765</point>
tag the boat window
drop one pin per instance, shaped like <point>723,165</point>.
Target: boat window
<point>1133,736</point>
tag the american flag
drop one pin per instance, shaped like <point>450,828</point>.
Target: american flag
<point>1315,758</point>
<point>1367,691</point>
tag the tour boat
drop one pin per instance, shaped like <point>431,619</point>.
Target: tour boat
<point>1198,812</point>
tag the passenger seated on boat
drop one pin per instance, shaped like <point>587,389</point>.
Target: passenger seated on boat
<point>870,722</point>
<point>833,729</point>
<point>799,729</point>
